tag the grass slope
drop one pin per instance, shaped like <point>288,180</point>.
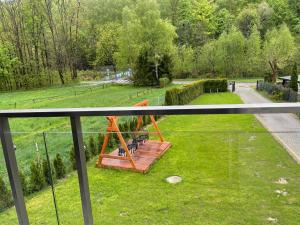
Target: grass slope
<point>28,132</point>
<point>229,165</point>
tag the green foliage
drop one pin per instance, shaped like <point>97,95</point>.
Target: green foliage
<point>47,170</point>
<point>247,19</point>
<point>279,49</point>
<point>72,158</point>
<point>184,62</point>
<point>144,40</point>
<point>59,167</point>
<point>294,79</point>
<point>184,95</point>
<point>100,142</point>
<point>88,153</point>
<point>92,146</point>
<point>163,82</point>
<point>5,196</point>
<point>24,183</point>
<point>37,178</point>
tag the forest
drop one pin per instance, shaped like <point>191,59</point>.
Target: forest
<point>47,42</point>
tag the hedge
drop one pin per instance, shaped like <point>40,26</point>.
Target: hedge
<point>184,95</point>
<point>163,82</point>
<point>278,92</point>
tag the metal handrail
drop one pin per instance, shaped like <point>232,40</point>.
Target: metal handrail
<point>264,108</point>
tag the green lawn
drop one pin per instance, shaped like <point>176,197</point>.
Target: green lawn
<point>229,165</point>
<point>28,132</point>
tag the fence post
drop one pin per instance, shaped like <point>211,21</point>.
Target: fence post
<point>12,170</point>
<point>82,170</point>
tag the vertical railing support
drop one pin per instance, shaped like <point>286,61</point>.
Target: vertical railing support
<point>81,170</point>
<point>12,170</point>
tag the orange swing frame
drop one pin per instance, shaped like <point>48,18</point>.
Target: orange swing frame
<point>145,156</point>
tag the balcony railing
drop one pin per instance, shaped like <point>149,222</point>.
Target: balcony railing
<point>75,120</point>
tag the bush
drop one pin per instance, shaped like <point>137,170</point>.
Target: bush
<point>294,79</point>
<point>5,196</point>
<point>72,158</point>
<point>184,95</point>
<point>59,167</point>
<point>92,146</point>
<point>163,82</point>
<point>100,142</point>
<point>87,153</point>
<point>24,183</point>
<point>47,170</point>
<point>37,179</point>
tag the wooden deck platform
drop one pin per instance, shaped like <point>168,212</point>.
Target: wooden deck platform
<point>144,157</point>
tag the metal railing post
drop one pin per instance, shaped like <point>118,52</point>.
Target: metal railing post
<point>12,170</point>
<point>81,170</point>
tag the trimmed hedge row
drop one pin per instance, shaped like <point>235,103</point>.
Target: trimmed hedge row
<point>184,95</point>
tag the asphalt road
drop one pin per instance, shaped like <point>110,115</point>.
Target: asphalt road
<point>284,127</point>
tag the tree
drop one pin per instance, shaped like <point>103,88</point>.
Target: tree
<point>294,78</point>
<point>279,49</point>
<point>144,34</point>
<point>37,179</point>
<point>246,20</point>
<point>253,54</point>
<point>231,53</point>
<point>5,196</point>
<point>184,62</point>
<point>107,45</point>
<point>59,167</point>
<point>209,57</point>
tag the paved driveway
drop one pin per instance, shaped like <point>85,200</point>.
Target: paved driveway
<point>284,127</point>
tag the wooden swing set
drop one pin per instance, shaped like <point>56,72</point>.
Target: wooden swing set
<point>137,156</point>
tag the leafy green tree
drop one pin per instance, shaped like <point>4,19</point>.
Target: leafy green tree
<point>253,54</point>
<point>209,57</point>
<point>5,196</point>
<point>60,169</point>
<point>279,49</point>
<point>294,78</point>
<point>144,34</point>
<point>266,17</point>
<point>247,19</point>
<point>37,178</point>
<point>107,45</point>
<point>231,53</point>
<point>184,62</point>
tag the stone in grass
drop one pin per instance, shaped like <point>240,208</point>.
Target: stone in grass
<point>281,181</point>
<point>174,179</point>
<point>281,192</point>
<point>272,220</point>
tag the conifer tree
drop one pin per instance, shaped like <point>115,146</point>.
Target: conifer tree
<point>60,169</point>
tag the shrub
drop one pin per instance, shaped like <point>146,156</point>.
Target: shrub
<point>59,167</point>
<point>5,196</point>
<point>294,79</point>
<point>92,146</point>
<point>47,170</point>
<point>24,183</point>
<point>72,158</point>
<point>163,82</point>
<point>184,95</point>
<point>87,153</point>
<point>37,179</point>
<point>100,142</point>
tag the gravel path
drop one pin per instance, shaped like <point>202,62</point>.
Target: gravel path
<point>284,127</point>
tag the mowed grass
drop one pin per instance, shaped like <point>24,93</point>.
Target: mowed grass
<point>229,165</point>
<point>27,133</point>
